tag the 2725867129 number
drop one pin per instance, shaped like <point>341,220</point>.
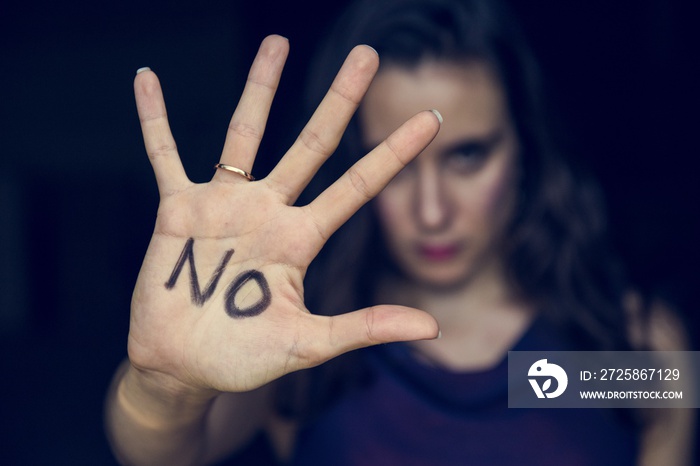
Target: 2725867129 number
<point>639,374</point>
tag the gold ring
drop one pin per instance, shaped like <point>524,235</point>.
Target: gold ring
<point>238,171</point>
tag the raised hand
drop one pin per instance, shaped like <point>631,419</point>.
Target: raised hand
<point>219,299</point>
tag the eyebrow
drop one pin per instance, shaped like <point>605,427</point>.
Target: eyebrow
<point>488,140</point>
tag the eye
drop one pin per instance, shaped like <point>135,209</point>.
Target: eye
<point>467,157</point>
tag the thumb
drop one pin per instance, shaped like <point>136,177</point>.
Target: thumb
<point>380,324</point>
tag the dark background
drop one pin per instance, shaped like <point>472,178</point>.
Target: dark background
<point>78,199</point>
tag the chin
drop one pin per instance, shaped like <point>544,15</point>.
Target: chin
<point>440,280</point>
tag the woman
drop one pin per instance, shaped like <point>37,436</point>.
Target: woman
<point>487,230</point>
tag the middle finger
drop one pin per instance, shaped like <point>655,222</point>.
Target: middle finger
<point>321,135</point>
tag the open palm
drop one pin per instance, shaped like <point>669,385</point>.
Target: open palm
<point>219,300</point>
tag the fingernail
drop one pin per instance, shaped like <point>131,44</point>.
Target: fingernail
<point>437,114</point>
<point>141,70</point>
<point>373,49</point>
<point>439,335</point>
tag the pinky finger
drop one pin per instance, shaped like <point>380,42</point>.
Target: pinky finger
<point>159,142</point>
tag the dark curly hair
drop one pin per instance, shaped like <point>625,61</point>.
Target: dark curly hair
<point>557,253</point>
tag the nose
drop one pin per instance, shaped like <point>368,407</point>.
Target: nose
<point>432,208</point>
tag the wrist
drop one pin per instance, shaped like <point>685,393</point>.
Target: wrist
<point>160,402</point>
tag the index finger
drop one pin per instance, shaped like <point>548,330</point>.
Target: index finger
<point>369,175</point>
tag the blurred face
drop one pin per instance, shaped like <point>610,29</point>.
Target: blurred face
<point>444,216</point>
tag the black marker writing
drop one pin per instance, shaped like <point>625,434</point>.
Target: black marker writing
<point>250,311</point>
<point>187,255</point>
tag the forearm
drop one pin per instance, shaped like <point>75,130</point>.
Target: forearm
<point>152,425</point>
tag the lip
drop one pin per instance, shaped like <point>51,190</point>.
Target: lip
<point>438,252</point>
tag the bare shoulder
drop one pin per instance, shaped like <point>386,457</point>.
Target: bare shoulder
<point>654,324</point>
<point>669,433</point>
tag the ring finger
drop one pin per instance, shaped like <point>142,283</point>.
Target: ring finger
<point>248,122</point>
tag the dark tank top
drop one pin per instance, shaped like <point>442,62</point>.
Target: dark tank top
<point>415,414</point>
